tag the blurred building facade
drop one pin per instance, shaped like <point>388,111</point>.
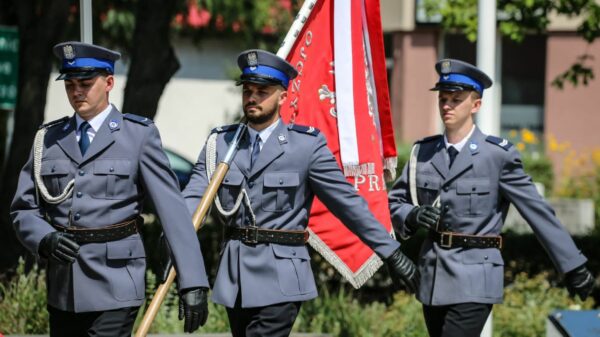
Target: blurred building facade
<point>567,117</point>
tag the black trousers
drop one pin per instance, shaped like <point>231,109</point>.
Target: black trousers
<point>113,323</point>
<point>456,320</point>
<point>274,320</point>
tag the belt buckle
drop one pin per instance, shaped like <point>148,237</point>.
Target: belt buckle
<point>446,239</point>
<point>251,235</point>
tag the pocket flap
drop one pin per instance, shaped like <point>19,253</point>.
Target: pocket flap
<point>428,182</point>
<point>468,186</point>
<point>233,178</point>
<point>125,249</point>
<point>479,256</point>
<point>55,167</point>
<point>290,252</point>
<point>112,166</point>
<point>282,179</point>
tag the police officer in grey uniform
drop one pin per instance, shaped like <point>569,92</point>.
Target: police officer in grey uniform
<point>79,200</point>
<point>264,272</point>
<point>459,186</point>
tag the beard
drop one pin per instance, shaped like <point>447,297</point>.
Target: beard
<point>261,117</point>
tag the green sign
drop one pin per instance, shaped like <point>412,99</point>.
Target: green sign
<point>9,67</point>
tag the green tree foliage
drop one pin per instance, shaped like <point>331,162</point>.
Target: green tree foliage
<point>521,17</point>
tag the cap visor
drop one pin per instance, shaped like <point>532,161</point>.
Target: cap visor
<point>78,75</point>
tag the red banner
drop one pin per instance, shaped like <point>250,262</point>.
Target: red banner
<point>341,89</point>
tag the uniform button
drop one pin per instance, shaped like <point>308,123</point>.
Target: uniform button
<point>485,257</point>
<point>280,181</point>
<point>130,252</point>
<point>79,194</point>
<point>294,253</point>
<point>473,189</point>
<point>112,169</point>
<point>81,172</point>
<point>446,188</point>
<point>77,216</point>
<point>425,184</point>
<point>226,180</point>
<point>446,207</point>
<point>52,170</point>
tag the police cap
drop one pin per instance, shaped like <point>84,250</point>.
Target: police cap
<point>84,60</point>
<point>457,75</point>
<point>261,67</point>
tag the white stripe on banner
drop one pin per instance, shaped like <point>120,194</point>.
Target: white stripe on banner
<point>344,90</point>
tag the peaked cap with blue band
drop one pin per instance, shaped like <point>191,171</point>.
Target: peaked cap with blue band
<point>83,60</point>
<point>261,67</point>
<point>457,75</point>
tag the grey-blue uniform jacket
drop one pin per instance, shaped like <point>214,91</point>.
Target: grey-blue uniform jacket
<point>294,165</point>
<point>486,176</point>
<point>123,164</point>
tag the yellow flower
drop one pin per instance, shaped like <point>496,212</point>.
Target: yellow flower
<point>512,134</point>
<point>596,157</point>
<point>528,136</point>
<point>520,146</point>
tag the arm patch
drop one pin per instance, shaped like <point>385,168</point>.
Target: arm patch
<point>503,143</point>
<point>138,119</point>
<point>55,122</point>
<point>309,130</point>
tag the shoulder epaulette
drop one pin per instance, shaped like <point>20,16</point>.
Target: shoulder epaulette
<point>311,130</point>
<point>503,143</point>
<point>55,122</point>
<point>138,119</point>
<point>428,139</point>
<point>224,128</point>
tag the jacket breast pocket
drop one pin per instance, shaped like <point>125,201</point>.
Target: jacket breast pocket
<point>279,191</point>
<point>428,188</point>
<point>115,180</point>
<point>56,175</point>
<point>473,197</point>
<point>126,260</point>
<point>293,269</point>
<point>230,189</point>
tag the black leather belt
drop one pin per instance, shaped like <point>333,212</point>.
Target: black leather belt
<point>254,235</point>
<point>105,234</point>
<point>452,240</point>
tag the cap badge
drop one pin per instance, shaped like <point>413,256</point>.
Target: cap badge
<point>252,59</point>
<point>68,52</point>
<point>113,124</point>
<point>446,67</point>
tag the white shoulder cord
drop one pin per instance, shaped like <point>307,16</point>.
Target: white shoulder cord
<point>211,164</point>
<point>38,147</point>
<point>412,176</point>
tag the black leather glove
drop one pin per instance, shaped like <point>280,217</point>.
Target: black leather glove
<point>59,246</point>
<point>579,282</point>
<point>423,216</point>
<point>193,306</point>
<point>165,258</point>
<point>403,270</point>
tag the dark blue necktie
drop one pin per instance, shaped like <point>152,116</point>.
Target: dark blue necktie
<point>255,150</point>
<point>84,139</point>
<point>452,152</point>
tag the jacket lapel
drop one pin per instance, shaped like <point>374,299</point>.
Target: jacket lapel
<point>242,156</point>
<point>104,136</point>
<point>438,160</point>
<point>271,149</point>
<point>68,141</point>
